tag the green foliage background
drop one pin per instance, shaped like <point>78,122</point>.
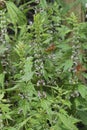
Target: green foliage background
<point>38,89</point>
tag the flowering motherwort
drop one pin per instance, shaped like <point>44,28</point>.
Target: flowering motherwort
<point>3,29</point>
<point>3,32</point>
<point>39,65</point>
<point>76,47</point>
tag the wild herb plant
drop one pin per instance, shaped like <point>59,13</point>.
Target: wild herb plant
<point>42,85</point>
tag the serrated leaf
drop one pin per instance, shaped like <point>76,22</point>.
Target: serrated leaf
<point>28,64</point>
<point>43,3</point>
<point>16,15</point>
<point>27,77</point>
<point>85,75</point>
<point>10,128</point>
<point>64,47</point>
<point>68,121</point>
<point>46,106</point>
<point>23,123</point>
<point>5,107</point>
<point>82,90</point>
<point>28,74</point>
<point>1,96</point>
<point>68,64</point>
<point>85,46</point>
<point>83,116</point>
<point>2,80</point>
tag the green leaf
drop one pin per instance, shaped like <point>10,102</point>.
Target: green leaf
<point>7,116</point>
<point>1,96</point>
<point>28,73</point>
<point>68,121</point>
<point>82,90</point>
<point>11,89</point>
<point>16,15</point>
<point>27,77</point>
<point>85,75</point>
<point>28,65</point>
<point>2,76</point>
<point>84,46</point>
<point>64,47</point>
<point>20,125</point>
<point>5,107</point>
<point>83,116</point>
<point>63,31</point>
<point>43,4</point>
<point>68,64</point>
<point>25,106</point>
<point>2,49</point>
<point>10,128</point>
<point>46,106</point>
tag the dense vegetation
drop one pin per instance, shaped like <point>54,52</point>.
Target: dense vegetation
<point>43,65</point>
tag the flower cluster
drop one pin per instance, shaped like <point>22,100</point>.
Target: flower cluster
<point>3,32</point>
<point>39,69</point>
<point>39,66</point>
<point>75,94</point>
<point>76,60</point>
<point>3,26</point>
